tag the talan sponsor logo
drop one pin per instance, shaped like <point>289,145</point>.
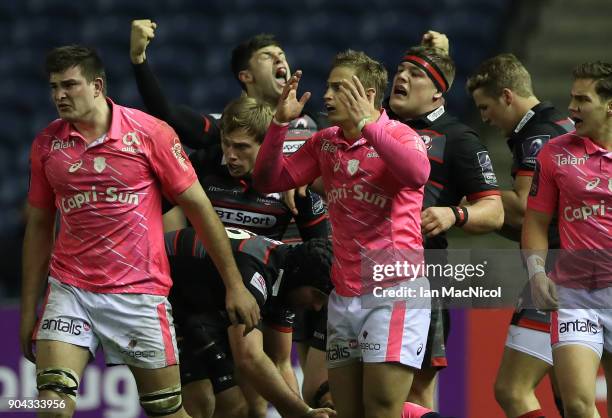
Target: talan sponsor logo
<point>110,195</point>
<point>583,213</point>
<point>58,144</point>
<point>59,325</point>
<point>356,193</point>
<point>246,218</point>
<point>587,326</point>
<point>338,353</point>
<point>564,159</point>
<point>328,147</point>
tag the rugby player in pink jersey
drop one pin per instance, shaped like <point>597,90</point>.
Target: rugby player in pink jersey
<point>373,171</point>
<point>105,167</point>
<point>573,180</point>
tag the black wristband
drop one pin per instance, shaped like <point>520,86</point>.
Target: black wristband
<point>463,216</point>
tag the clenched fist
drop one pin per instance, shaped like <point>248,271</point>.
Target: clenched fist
<point>143,30</point>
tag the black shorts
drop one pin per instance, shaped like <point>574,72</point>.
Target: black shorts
<point>526,316</point>
<point>204,351</point>
<point>439,328</point>
<point>310,328</point>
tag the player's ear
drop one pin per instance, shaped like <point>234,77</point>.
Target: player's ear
<point>507,96</point>
<point>609,107</point>
<point>98,86</point>
<point>245,76</point>
<point>437,95</point>
<point>371,94</point>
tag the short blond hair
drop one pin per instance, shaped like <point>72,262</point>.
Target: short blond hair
<point>371,73</point>
<point>248,113</point>
<point>503,71</point>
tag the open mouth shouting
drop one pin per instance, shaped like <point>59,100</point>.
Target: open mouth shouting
<point>281,75</point>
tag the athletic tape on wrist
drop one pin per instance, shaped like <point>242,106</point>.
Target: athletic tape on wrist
<point>535,265</point>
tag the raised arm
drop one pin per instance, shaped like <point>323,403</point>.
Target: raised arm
<point>273,172</point>
<point>195,130</point>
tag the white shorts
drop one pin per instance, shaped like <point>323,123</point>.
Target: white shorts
<point>133,329</point>
<point>386,331</point>
<point>531,342</point>
<point>585,319</point>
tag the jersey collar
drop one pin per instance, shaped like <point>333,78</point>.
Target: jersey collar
<point>114,132</point>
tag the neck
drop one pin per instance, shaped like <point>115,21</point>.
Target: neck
<point>270,101</point>
<point>350,132</point>
<point>604,137</point>
<point>524,105</point>
<point>97,123</point>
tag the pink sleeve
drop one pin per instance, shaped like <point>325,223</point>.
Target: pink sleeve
<point>40,193</point>
<point>169,161</point>
<point>544,193</point>
<point>274,172</point>
<point>402,150</point>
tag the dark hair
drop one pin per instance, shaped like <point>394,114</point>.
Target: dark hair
<point>439,58</point>
<point>371,73</point>
<point>87,59</point>
<point>599,71</point>
<point>309,264</point>
<point>243,52</point>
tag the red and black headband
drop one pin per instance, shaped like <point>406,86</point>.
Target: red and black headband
<point>431,69</point>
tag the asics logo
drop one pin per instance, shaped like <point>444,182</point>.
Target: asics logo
<point>75,166</point>
<point>592,184</point>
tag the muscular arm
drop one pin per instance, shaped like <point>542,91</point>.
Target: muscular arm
<point>277,346</point>
<point>485,215</point>
<point>258,369</point>
<point>515,202</point>
<point>195,130</point>
<point>37,246</point>
<point>211,232</point>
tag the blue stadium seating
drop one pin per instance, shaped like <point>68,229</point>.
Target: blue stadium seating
<point>192,49</point>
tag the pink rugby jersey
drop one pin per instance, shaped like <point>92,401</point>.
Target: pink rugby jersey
<point>109,196</point>
<point>573,179</point>
<point>374,188</point>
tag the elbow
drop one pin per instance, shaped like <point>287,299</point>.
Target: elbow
<point>420,173</point>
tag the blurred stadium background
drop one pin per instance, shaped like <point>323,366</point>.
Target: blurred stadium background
<point>190,55</point>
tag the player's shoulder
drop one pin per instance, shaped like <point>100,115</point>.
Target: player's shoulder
<point>53,135</point>
<point>562,143</point>
<point>136,119</point>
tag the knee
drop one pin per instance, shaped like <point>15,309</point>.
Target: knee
<point>421,396</point>
<point>201,406</point>
<point>162,402</point>
<point>58,384</point>
<point>508,393</point>
<point>578,407</point>
<point>382,406</point>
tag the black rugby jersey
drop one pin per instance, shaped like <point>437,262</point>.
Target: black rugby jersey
<point>542,123</point>
<point>539,125</point>
<point>198,288</point>
<point>460,164</point>
<point>236,202</point>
